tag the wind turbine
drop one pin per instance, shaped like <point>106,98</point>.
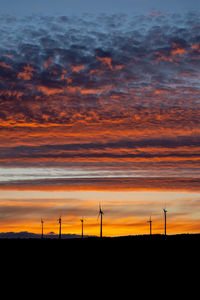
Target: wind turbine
<point>82,221</point>
<point>101,213</point>
<point>150,225</point>
<point>60,222</point>
<point>165,216</point>
<point>42,223</point>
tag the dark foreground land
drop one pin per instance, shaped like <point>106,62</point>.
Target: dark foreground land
<point>89,245</point>
<point>135,250</point>
<point>135,239</point>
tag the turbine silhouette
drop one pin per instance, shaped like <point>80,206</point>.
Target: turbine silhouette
<point>150,225</point>
<point>42,223</point>
<point>165,216</point>
<point>82,221</point>
<point>60,223</point>
<point>101,213</point>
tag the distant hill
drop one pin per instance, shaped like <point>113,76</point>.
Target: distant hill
<point>29,235</point>
<point>123,239</point>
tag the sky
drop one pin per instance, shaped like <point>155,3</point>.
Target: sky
<point>99,103</point>
<point>76,7</point>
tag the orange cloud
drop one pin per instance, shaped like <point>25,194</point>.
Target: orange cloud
<point>4,65</point>
<point>178,50</point>
<point>26,74</point>
<point>106,61</point>
<point>196,47</point>
<point>49,62</point>
<point>78,68</point>
<point>49,91</point>
<point>174,54</point>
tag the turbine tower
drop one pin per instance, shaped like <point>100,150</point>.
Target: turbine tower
<point>60,222</point>
<point>42,223</point>
<point>82,221</point>
<point>165,216</point>
<point>150,225</point>
<point>101,220</point>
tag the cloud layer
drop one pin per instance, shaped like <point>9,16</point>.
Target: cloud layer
<point>100,89</point>
<point>98,97</point>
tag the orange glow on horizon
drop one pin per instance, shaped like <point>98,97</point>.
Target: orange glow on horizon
<point>125,213</point>
<point>110,229</point>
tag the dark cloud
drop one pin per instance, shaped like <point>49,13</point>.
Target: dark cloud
<point>80,43</point>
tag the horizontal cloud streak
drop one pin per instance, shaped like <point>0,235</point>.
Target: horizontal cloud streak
<point>110,184</point>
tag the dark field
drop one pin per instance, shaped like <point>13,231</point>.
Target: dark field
<point>109,253</point>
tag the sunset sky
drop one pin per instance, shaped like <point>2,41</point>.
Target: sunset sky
<point>100,103</point>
